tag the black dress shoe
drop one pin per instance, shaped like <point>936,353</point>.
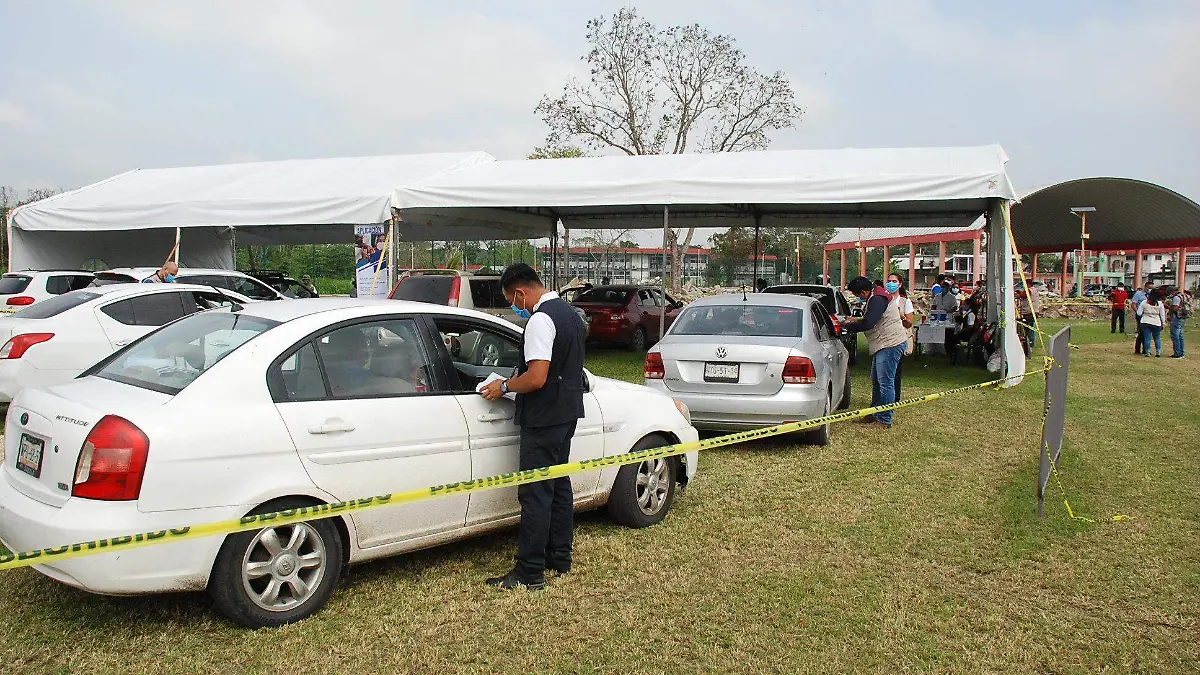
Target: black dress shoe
<point>514,580</point>
<point>559,568</point>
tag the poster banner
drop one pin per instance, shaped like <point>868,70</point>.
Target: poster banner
<point>370,265</point>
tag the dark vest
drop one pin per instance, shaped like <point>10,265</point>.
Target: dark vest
<point>560,400</point>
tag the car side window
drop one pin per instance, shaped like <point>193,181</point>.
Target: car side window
<point>57,285</point>
<point>645,299</point>
<point>825,323</point>
<point>121,312</point>
<point>158,309</point>
<point>375,358</point>
<point>253,289</point>
<point>300,376</point>
<point>476,352</point>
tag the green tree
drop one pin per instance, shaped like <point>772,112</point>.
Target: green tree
<point>666,91</point>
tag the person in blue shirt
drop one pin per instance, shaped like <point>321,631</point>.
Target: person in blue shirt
<point>1139,345</point>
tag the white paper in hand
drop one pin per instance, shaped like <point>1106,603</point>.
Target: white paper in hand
<point>493,378</point>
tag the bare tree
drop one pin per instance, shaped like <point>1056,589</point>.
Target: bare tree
<point>675,90</point>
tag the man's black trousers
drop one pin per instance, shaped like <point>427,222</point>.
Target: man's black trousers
<point>548,506</point>
<point>1118,316</point>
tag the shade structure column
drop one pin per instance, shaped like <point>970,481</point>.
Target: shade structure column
<point>886,263</point>
<point>941,257</point>
<point>1033,270</point>
<point>1137,268</point>
<point>662,310</point>
<point>842,265</point>
<point>977,263</point>
<point>912,267</point>
<point>824,267</point>
<point>862,261</point>
<point>1062,281</point>
<point>1181,268</point>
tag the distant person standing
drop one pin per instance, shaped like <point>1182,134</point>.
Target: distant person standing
<point>1181,311</point>
<point>164,275</point>
<point>1154,315</point>
<point>1139,344</point>
<point>1118,297</point>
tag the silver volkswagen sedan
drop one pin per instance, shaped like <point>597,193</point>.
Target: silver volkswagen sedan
<point>753,360</point>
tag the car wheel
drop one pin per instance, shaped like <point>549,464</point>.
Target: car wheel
<point>845,404</point>
<point>638,343</point>
<point>277,575</point>
<point>821,435</point>
<point>852,347</point>
<point>643,492</point>
<point>489,352</point>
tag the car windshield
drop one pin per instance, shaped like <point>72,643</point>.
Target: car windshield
<point>610,296</point>
<point>431,288</point>
<point>56,305</point>
<point>824,296</point>
<point>170,359</point>
<point>740,319</point>
<point>11,284</point>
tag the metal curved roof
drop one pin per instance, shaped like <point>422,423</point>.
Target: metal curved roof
<point>1129,214</point>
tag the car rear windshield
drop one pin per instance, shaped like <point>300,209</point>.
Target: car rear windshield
<point>747,320</point>
<point>429,288</point>
<point>824,295</point>
<point>56,305</point>
<point>110,278</point>
<point>171,358</point>
<point>608,296</point>
<point>486,294</point>
<point>11,284</point>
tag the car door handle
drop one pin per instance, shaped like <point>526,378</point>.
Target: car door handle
<point>495,417</point>
<point>330,428</point>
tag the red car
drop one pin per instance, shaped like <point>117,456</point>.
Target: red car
<point>626,315</point>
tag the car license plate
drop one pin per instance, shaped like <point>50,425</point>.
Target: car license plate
<point>29,455</point>
<point>722,372</point>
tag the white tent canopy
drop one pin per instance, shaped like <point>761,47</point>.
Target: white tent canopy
<point>130,219</point>
<point>947,187</point>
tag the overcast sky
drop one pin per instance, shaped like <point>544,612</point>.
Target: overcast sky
<point>1070,88</point>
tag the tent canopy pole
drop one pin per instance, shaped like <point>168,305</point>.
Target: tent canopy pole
<point>662,310</point>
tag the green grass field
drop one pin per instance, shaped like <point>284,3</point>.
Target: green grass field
<point>916,548</point>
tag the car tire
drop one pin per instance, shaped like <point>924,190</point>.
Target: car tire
<point>643,492</point>
<point>822,435</point>
<point>853,349</point>
<point>845,402</point>
<point>638,342</point>
<point>244,596</point>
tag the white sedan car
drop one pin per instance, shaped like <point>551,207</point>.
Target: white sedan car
<point>284,404</point>
<point>57,339</point>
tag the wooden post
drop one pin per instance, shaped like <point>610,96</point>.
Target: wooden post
<point>862,261</point>
<point>843,267</point>
<point>1181,268</point>
<point>886,263</point>
<point>941,257</point>
<point>1033,274</point>
<point>1137,269</point>
<point>912,267</point>
<point>824,267</point>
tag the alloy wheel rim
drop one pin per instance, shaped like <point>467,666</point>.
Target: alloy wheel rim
<point>283,566</point>
<point>653,482</point>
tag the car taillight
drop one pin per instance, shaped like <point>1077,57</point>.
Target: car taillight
<point>20,300</point>
<point>19,344</point>
<point>654,369</point>
<point>616,317</point>
<point>799,370</point>
<point>837,325</point>
<point>455,291</point>
<point>112,461</point>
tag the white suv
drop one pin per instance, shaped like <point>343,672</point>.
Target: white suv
<point>227,279</point>
<point>19,290</point>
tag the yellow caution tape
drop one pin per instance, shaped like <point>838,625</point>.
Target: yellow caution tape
<point>82,549</point>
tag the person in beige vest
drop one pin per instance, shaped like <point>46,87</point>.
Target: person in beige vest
<point>886,337</point>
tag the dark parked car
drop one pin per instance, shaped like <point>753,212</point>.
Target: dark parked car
<point>626,315</point>
<point>834,302</point>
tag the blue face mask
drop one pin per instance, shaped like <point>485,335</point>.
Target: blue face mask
<point>523,313</point>
<point>892,286</point>
<point>169,278</point>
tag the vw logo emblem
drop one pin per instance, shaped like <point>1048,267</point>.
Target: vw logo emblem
<point>24,419</point>
<point>721,353</point>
